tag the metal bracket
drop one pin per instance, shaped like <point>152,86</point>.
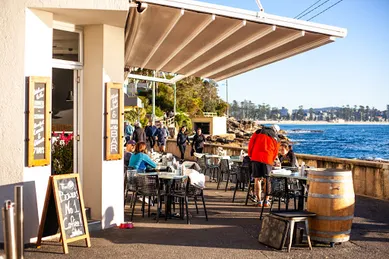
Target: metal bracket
<point>260,6</point>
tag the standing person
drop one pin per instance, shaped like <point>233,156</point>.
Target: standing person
<point>162,134</point>
<point>128,130</point>
<point>198,141</point>
<point>139,134</point>
<point>182,139</point>
<point>263,150</point>
<point>150,135</point>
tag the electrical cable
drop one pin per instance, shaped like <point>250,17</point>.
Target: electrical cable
<point>313,9</point>
<point>324,10</point>
<point>307,9</point>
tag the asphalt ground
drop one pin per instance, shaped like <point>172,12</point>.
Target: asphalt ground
<point>231,232</point>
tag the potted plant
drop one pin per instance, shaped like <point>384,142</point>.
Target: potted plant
<point>62,153</point>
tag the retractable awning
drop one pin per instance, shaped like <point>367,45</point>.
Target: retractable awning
<point>191,38</point>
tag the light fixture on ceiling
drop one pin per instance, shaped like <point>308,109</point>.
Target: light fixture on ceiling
<point>70,97</point>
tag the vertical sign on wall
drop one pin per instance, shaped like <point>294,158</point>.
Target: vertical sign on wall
<point>114,121</point>
<point>39,121</point>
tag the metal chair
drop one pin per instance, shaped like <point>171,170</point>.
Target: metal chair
<point>147,184</point>
<point>183,191</point>
<point>130,184</point>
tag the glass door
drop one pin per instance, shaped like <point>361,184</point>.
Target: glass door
<point>65,137</point>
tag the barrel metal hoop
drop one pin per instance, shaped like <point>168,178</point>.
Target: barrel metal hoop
<point>330,196</point>
<point>329,180</point>
<point>330,239</point>
<point>334,217</point>
<point>333,233</point>
<point>347,173</point>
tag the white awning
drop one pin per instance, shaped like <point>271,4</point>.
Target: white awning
<point>191,38</point>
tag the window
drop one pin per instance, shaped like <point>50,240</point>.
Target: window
<point>66,45</point>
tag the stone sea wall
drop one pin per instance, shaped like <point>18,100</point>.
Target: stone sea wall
<point>370,178</point>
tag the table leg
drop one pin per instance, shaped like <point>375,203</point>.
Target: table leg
<point>301,200</point>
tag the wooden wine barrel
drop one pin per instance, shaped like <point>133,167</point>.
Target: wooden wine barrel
<point>331,196</point>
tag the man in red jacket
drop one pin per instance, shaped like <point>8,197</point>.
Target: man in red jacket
<point>263,150</point>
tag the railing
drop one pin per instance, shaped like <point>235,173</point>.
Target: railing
<point>370,178</point>
<point>209,114</point>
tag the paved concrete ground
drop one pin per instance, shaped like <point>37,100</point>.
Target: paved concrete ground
<point>231,232</point>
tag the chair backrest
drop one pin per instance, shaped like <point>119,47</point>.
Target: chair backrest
<point>130,179</point>
<point>147,184</point>
<point>277,187</point>
<point>224,165</point>
<point>192,190</point>
<point>201,163</point>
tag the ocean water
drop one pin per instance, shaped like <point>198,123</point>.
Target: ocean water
<point>345,141</point>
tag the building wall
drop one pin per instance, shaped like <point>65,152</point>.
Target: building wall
<point>25,49</point>
<point>102,180</point>
<point>219,125</point>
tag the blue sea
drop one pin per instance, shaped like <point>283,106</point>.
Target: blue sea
<point>345,141</point>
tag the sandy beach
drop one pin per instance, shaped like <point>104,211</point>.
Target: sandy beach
<point>324,123</point>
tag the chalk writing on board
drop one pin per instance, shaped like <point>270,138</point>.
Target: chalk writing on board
<point>114,121</point>
<point>70,207</point>
<point>39,120</point>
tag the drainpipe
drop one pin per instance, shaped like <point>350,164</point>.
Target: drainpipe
<point>153,115</point>
<point>175,98</point>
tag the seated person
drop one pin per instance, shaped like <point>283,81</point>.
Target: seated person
<point>287,156</point>
<point>140,160</point>
<point>130,148</point>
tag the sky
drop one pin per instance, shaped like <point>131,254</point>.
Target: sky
<point>352,70</point>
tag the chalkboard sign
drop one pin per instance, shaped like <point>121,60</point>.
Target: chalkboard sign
<point>70,207</point>
<point>64,210</point>
<point>39,121</point>
<point>114,121</point>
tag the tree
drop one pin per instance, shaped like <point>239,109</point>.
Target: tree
<point>311,112</point>
<point>300,113</point>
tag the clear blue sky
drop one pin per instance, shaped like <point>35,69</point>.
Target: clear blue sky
<point>353,70</point>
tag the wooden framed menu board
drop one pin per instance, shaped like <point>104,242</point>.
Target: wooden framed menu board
<point>114,121</point>
<point>64,210</point>
<point>39,120</point>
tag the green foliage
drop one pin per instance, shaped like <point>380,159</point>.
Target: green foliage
<point>62,154</point>
<point>183,120</point>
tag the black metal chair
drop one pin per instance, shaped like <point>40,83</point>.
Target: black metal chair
<point>147,185</point>
<point>184,190</point>
<point>130,184</point>
<point>233,170</point>
<point>243,178</point>
<point>223,170</point>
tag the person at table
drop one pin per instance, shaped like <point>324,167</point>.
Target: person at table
<point>198,141</point>
<point>130,148</point>
<point>263,150</point>
<point>139,133</point>
<point>286,156</point>
<point>182,139</point>
<point>140,160</point>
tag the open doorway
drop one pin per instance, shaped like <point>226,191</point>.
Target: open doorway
<point>64,121</point>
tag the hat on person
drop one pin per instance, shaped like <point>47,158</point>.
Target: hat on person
<point>276,128</point>
<point>131,142</point>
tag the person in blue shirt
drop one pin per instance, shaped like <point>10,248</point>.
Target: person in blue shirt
<point>140,160</point>
<point>128,130</point>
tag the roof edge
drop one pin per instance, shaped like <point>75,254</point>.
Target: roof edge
<point>259,17</point>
